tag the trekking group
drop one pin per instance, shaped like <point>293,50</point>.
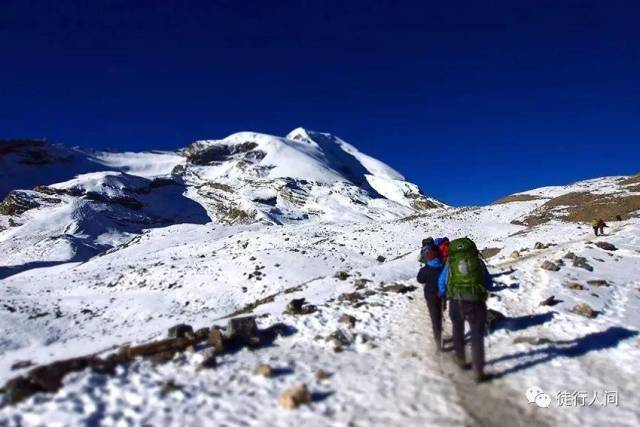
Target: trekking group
<point>454,273</point>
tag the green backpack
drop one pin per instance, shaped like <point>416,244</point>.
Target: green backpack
<point>466,272</point>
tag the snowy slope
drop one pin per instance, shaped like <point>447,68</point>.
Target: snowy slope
<point>124,255</point>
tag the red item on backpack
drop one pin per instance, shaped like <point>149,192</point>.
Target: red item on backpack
<point>444,251</point>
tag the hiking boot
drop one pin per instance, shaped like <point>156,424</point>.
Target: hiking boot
<point>462,364</point>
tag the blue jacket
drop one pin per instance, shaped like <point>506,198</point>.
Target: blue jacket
<point>444,277</point>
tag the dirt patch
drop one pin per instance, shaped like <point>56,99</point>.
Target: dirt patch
<point>516,198</point>
<point>634,188</point>
<point>584,207</point>
<point>219,186</point>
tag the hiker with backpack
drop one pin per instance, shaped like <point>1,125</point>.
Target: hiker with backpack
<point>601,226</point>
<point>428,276</point>
<point>465,281</point>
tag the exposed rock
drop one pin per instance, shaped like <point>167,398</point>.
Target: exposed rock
<point>550,301</point>
<point>550,266</point>
<point>398,288</point>
<point>360,283</point>
<point>321,374</point>
<point>559,262</point>
<point>584,310</point>
<point>598,283</point>
<point>181,331</point>
<point>295,397</point>
<point>339,339</point>
<point>202,334</point>
<point>515,254</point>
<point>243,330</point>
<point>216,340</point>
<point>162,357</point>
<point>493,318</point>
<point>264,370</point>
<point>539,245</point>
<point>381,258</point>
<point>606,246</point>
<point>350,297</point>
<point>570,255</point>
<point>18,202</point>
<point>575,286</point>
<point>341,275</point>
<point>531,340</point>
<point>298,306</point>
<point>348,319</point>
<point>581,262</point>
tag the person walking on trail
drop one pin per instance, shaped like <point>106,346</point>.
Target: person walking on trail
<point>601,226</point>
<point>428,250</point>
<point>428,276</point>
<point>465,281</point>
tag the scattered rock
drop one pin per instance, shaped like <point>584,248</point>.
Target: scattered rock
<point>294,397</point>
<point>264,370</point>
<point>575,286</point>
<point>515,254</point>
<point>169,387</point>
<point>606,246</point>
<point>398,288</point>
<point>598,283</point>
<point>348,319</point>
<point>581,262</point>
<point>338,339</point>
<point>550,266</point>
<point>539,245</point>
<point>550,301</point>
<point>584,310</point>
<point>570,255</point>
<point>559,262</point>
<point>381,258</point>
<point>297,306</point>
<point>181,331</point>
<point>360,283</point>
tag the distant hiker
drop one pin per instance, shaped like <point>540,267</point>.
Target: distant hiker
<point>428,251</point>
<point>428,276</point>
<point>443,247</point>
<point>601,226</point>
<point>465,280</point>
<point>594,224</point>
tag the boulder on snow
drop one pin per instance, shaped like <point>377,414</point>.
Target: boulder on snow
<point>264,370</point>
<point>606,246</point>
<point>550,301</point>
<point>348,319</point>
<point>350,297</point>
<point>584,310</point>
<point>243,330</point>
<point>216,340</point>
<point>539,245</point>
<point>181,331</point>
<point>550,266</point>
<point>570,255</point>
<point>341,275</point>
<point>299,306</point>
<point>515,254</point>
<point>294,397</point>
<point>598,283</point>
<point>581,262</point>
<point>575,286</point>
<point>381,258</point>
<point>321,374</point>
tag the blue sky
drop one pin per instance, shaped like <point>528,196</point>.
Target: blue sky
<point>471,100</point>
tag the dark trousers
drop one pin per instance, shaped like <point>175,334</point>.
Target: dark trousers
<point>595,230</point>
<point>476,314</point>
<point>434,304</point>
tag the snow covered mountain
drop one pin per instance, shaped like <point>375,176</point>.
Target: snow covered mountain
<point>102,253</point>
